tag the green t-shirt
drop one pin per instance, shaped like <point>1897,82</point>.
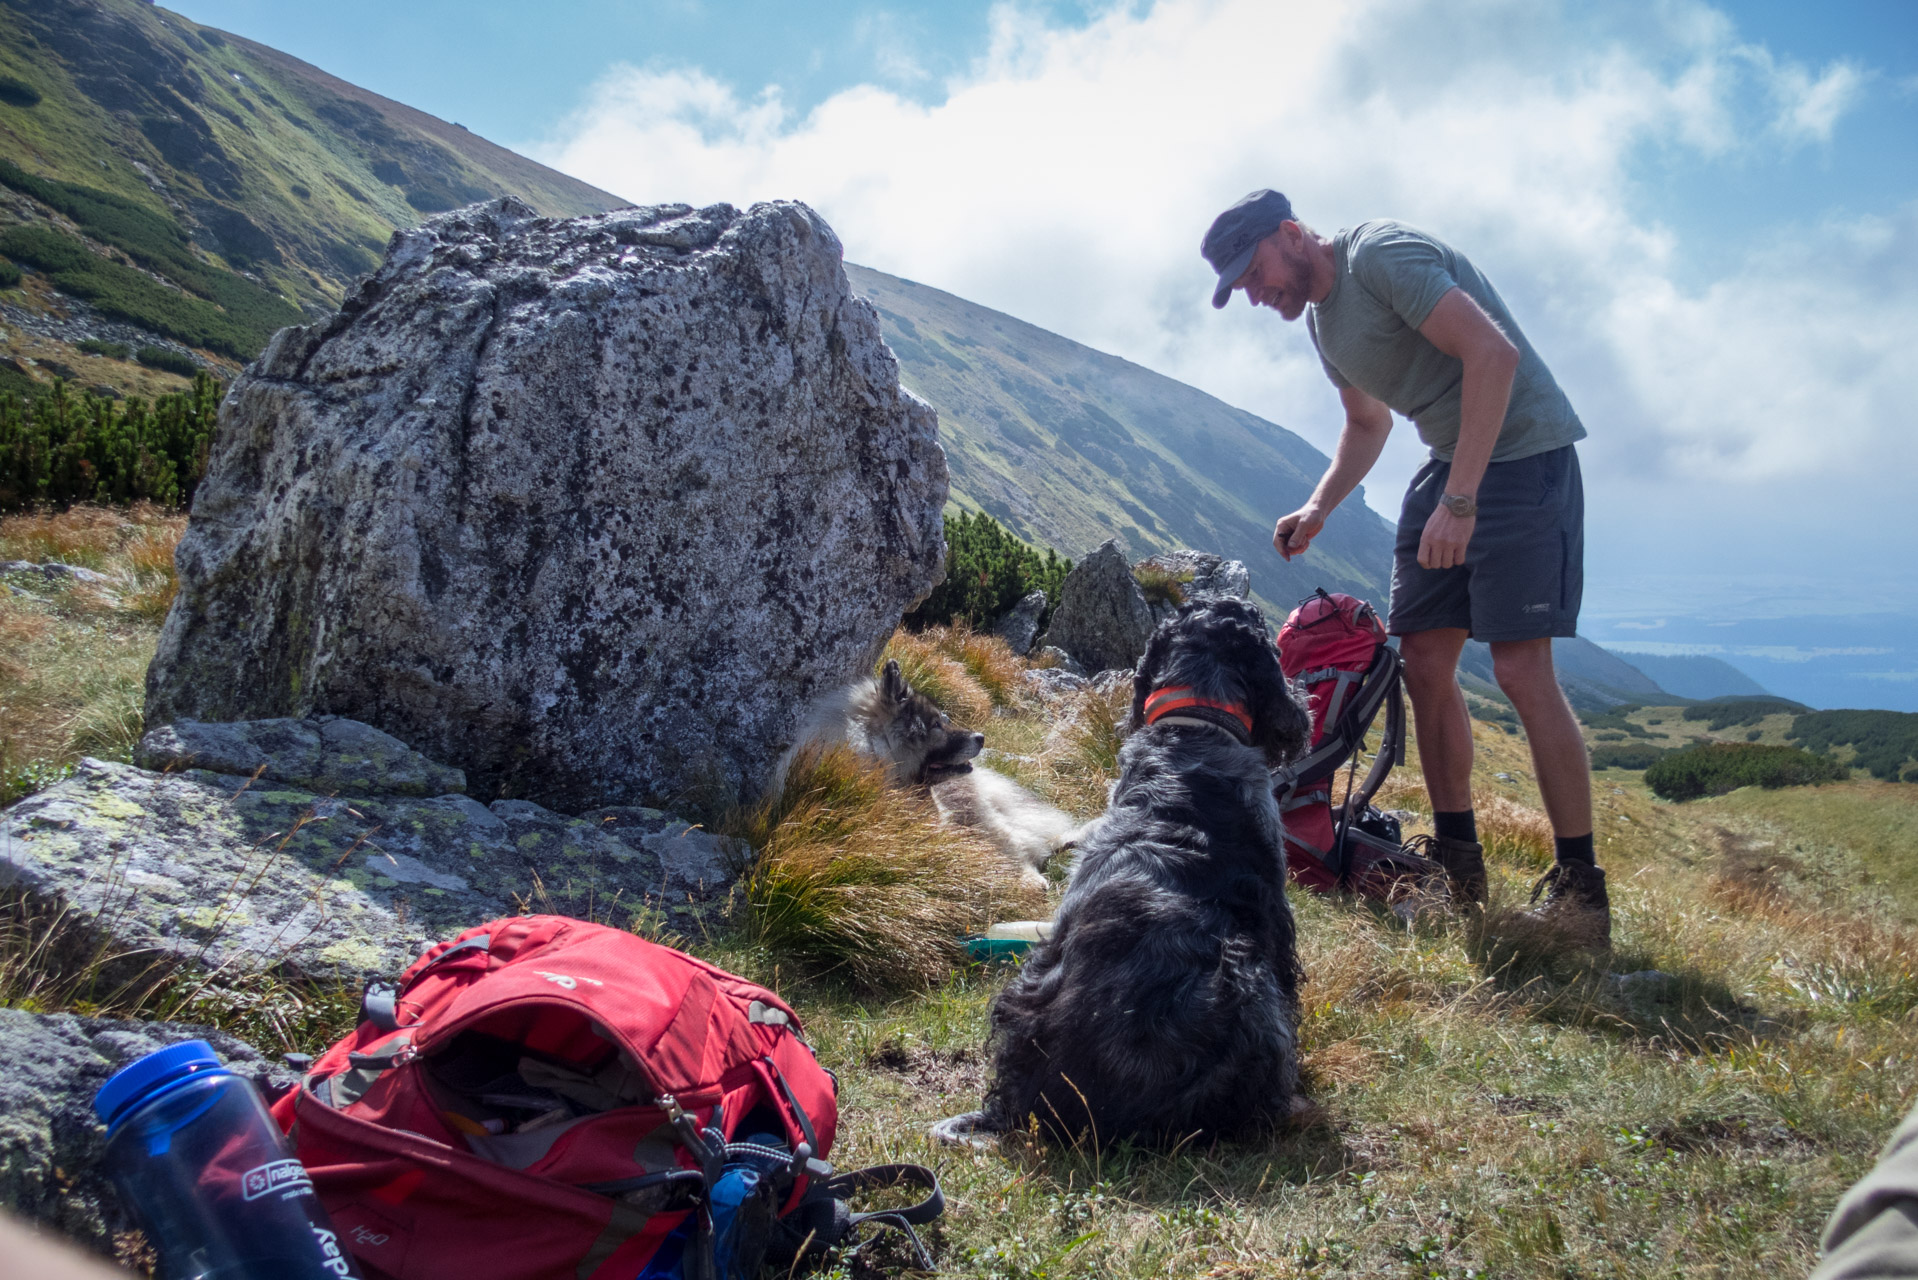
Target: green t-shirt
<point>1390,276</point>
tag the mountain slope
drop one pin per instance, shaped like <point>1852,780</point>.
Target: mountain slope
<point>1695,675</point>
<point>1069,446</point>
<point>198,190</point>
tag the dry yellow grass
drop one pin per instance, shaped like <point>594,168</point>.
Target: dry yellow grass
<point>1513,832</point>
<point>944,679</point>
<point>859,879</point>
<point>73,656</point>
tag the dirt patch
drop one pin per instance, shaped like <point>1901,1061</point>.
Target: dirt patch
<point>940,1072</point>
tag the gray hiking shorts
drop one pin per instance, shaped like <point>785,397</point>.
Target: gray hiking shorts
<point>1524,570</point>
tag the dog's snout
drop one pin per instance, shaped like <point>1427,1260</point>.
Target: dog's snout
<point>978,742</point>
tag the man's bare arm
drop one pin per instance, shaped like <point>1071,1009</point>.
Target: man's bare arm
<point>1459,327</point>
<point>1367,423</point>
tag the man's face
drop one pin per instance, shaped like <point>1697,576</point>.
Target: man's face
<point>1280,275</point>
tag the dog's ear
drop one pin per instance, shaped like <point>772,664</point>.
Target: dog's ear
<point>1280,726</point>
<point>1146,674</point>
<point>892,685</point>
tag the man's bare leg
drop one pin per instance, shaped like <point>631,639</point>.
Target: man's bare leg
<point>1525,674</point>
<point>1577,906</point>
<point>1438,709</point>
<point>1445,754</point>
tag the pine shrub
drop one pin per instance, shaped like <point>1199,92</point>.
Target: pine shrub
<point>9,276</point>
<point>1884,740</point>
<point>167,360</point>
<point>1713,768</point>
<point>64,447</point>
<point>988,571</point>
<point>1627,755</point>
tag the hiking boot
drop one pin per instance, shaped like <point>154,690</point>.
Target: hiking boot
<point>1464,863</point>
<point>1576,907</point>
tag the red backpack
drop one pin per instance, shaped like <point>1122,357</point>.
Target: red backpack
<point>1333,646</point>
<point>543,1096</point>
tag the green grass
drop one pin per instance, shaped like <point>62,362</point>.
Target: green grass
<point>1484,1105</point>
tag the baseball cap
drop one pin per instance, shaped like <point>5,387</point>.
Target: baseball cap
<point>1234,234</point>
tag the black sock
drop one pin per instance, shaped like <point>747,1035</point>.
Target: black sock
<point>1459,825</point>
<point>1576,849</point>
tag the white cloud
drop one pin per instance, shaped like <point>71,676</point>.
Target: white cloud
<point>1067,177</point>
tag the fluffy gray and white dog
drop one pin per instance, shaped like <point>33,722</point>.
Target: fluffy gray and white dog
<point>887,719</point>
<point>1166,1000</point>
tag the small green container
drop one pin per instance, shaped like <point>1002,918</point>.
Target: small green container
<point>991,950</point>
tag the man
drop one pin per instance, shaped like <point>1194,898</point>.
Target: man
<point>1491,536</point>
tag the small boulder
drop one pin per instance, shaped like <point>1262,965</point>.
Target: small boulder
<point>1060,660</point>
<point>1020,627</point>
<point>51,1143</point>
<point>329,755</point>
<point>1102,618</point>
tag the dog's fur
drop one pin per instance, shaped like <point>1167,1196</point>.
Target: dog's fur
<point>888,720</point>
<point>1166,1000</point>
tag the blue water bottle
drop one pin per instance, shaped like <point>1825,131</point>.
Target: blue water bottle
<point>209,1175</point>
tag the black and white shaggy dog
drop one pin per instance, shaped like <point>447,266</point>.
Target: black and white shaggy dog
<point>1166,1000</point>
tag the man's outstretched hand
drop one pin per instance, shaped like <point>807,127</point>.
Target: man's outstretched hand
<point>1442,545</point>
<point>1294,533</point>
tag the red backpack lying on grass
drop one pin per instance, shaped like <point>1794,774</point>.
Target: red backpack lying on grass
<point>1333,646</point>
<point>546,1097</point>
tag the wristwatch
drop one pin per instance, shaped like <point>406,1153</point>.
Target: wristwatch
<point>1460,505</point>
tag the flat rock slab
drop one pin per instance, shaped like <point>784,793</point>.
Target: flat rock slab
<point>51,1143</point>
<point>329,755</point>
<point>237,875</point>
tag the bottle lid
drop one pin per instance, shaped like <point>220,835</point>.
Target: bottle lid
<point>143,1077</point>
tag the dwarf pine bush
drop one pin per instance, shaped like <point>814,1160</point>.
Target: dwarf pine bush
<point>64,447</point>
<point>988,571</point>
<point>1713,768</point>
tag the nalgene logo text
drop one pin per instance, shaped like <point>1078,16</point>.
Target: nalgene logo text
<point>282,1175</point>
<point>335,1261</point>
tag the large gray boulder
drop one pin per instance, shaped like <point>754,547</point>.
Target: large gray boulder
<point>589,509</point>
<point>50,1141</point>
<point>236,875</point>
<point>1102,618</point>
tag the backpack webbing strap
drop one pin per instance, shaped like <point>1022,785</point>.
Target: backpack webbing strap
<point>846,1185</point>
<point>792,1100</point>
<point>379,999</point>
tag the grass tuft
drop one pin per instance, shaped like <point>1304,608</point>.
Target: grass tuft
<point>928,668</point>
<point>858,879</point>
<point>1513,833</point>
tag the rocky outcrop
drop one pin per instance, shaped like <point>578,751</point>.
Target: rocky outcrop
<point>1200,574</point>
<point>50,1141</point>
<point>588,509</point>
<point>236,874</point>
<point>327,754</point>
<point>1102,619</point>
<point>1020,627</point>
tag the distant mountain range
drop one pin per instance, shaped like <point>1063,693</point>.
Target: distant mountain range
<point>165,182</point>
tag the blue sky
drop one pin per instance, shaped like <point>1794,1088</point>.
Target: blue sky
<point>1705,215</point>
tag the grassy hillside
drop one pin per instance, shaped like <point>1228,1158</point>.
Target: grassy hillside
<point>197,190</point>
<point>1068,446</point>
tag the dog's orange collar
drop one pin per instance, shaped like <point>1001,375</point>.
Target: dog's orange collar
<point>1177,698</point>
